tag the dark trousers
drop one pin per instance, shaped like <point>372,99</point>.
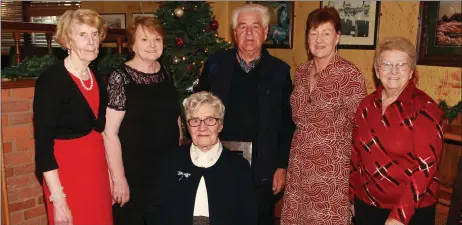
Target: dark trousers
<point>265,203</point>
<point>370,215</point>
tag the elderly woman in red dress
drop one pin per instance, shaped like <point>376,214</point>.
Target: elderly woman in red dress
<point>327,91</point>
<point>69,116</point>
<point>397,142</point>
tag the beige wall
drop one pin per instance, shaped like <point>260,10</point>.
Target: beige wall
<point>127,7</point>
<point>398,18</point>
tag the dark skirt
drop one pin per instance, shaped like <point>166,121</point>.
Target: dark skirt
<point>367,215</point>
<point>201,220</point>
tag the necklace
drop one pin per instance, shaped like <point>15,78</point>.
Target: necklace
<point>316,73</point>
<point>81,81</point>
<point>313,82</point>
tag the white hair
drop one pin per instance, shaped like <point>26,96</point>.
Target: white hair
<point>197,100</point>
<point>264,12</point>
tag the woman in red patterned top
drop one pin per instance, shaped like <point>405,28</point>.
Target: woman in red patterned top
<point>397,142</point>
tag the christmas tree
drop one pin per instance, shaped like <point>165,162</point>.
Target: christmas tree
<point>190,37</point>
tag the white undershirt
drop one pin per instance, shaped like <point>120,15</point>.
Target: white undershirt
<point>205,160</point>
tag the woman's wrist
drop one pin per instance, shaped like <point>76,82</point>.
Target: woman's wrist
<point>118,178</point>
<point>59,194</point>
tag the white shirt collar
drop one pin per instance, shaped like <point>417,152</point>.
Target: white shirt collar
<point>206,159</point>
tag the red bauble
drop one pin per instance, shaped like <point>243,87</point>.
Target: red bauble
<point>179,42</point>
<point>188,67</point>
<point>214,25</point>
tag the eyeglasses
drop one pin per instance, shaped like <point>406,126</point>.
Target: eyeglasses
<point>389,66</point>
<point>209,121</point>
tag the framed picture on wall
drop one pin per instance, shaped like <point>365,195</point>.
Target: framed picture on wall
<point>359,23</point>
<point>281,25</point>
<point>440,35</point>
<point>114,20</point>
<point>148,14</point>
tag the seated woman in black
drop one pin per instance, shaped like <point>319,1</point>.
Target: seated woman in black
<point>203,183</point>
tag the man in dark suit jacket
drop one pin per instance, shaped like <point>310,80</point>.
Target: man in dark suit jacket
<point>255,88</point>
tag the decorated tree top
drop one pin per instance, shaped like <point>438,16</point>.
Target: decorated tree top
<point>191,36</point>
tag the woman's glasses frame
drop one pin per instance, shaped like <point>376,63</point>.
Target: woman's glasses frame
<point>399,66</point>
<point>209,121</point>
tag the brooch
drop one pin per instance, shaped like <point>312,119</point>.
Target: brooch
<point>182,174</point>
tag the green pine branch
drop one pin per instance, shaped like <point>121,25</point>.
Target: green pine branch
<point>450,113</point>
<point>199,39</point>
<point>30,67</point>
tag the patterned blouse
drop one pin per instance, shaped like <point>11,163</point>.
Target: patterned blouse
<point>395,156</point>
<point>126,75</point>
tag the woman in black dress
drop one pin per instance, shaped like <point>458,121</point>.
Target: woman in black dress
<point>142,120</point>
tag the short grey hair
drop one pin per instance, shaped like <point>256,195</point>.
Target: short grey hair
<point>397,43</point>
<point>196,100</point>
<point>263,10</point>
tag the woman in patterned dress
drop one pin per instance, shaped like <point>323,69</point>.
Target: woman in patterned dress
<point>327,91</point>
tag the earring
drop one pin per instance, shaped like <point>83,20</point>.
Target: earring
<point>69,51</point>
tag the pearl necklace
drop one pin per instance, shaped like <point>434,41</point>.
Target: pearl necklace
<point>81,81</point>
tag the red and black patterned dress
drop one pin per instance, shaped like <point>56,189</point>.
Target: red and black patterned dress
<point>317,176</point>
<point>395,155</point>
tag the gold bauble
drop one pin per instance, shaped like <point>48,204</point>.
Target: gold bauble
<point>179,12</point>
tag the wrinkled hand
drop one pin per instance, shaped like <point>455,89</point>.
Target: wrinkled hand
<point>279,180</point>
<point>61,212</point>
<point>120,191</point>
<point>393,222</point>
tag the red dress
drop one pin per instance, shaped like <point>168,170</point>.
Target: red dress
<point>83,172</point>
<point>317,175</point>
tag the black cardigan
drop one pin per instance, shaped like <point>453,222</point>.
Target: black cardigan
<point>61,112</point>
<point>230,190</point>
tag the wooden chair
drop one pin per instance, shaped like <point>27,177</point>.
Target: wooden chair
<point>455,210</point>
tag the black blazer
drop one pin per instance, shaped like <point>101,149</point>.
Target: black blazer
<point>61,112</point>
<point>230,190</point>
<point>274,88</point>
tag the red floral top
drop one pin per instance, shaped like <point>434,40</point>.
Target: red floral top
<point>395,156</point>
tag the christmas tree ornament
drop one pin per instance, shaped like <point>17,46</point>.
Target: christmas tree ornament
<point>179,12</point>
<point>179,42</point>
<point>175,59</point>
<point>214,25</point>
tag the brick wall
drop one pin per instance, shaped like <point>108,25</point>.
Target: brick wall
<point>25,196</point>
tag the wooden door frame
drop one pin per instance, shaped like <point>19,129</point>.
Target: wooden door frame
<point>5,211</point>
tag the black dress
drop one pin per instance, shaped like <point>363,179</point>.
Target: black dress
<point>148,129</point>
